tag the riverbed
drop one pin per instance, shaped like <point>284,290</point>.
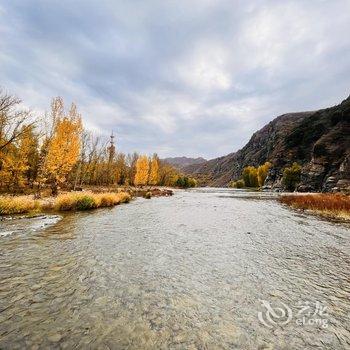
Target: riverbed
<point>203,269</point>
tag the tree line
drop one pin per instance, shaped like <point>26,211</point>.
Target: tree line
<point>252,176</point>
<point>56,151</point>
<point>255,176</point>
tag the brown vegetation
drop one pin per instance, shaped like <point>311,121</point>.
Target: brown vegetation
<point>17,205</point>
<point>10,205</point>
<point>329,205</point>
<point>89,200</point>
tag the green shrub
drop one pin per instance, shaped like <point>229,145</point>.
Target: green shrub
<point>85,203</point>
<point>185,182</point>
<point>291,177</point>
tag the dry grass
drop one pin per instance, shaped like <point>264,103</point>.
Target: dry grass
<point>17,205</point>
<point>330,205</point>
<point>10,205</point>
<point>89,200</point>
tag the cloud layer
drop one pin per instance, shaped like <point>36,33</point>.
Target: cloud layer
<point>193,77</point>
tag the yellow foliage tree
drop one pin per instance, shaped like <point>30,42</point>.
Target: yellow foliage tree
<point>63,148</point>
<point>262,173</point>
<point>250,176</point>
<point>142,171</point>
<point>15,160</point>
<point>154,172</point>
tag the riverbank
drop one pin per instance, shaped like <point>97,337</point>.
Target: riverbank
<point>71,201</point>
<point>91,198</point>
<point>330,206</point>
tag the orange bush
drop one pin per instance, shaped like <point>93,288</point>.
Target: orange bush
<point>329,203</point>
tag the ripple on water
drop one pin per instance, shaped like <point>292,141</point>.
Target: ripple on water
<point>188,271</point>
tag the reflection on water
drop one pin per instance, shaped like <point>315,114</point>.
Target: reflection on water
<point>188,271</point>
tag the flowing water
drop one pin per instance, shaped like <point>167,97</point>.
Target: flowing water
<point>204,269</point>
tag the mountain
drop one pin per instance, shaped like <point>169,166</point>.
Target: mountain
<point>181,162</point>
<point>317,140</point>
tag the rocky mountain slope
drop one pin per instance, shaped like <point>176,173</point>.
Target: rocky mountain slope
<point>181,162</point>
<point>318,140</point>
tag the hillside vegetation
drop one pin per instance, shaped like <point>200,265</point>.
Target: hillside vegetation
<point>318,140</point>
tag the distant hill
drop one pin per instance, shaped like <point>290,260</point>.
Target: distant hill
<point>318,140</point>
<point>181,162</point>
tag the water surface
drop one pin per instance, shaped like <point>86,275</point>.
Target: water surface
<point>186,272</point>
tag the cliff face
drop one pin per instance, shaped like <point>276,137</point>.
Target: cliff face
<point>318,140</point>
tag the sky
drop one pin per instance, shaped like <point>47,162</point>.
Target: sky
<point>193,78</point>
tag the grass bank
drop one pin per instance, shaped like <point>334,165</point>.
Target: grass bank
<point>71,201</point>
<point>334,206</point>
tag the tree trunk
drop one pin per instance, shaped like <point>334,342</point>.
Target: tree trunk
<point>54,188</point>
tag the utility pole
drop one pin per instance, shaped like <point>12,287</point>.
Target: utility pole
<point>111,155</point>
<point>111,148</point>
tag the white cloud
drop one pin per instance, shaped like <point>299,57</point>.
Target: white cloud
<point>205,68</point>
<point>195,78</point>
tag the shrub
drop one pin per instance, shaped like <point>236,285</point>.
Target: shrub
<point>124,197</point>
<point>185,182</point>
<point>65,202</point>
<point>337,205</point>
<point>148,195</point>
<point>17,205</point>
<point>86,201</point>
<point>237,184</point>
<point>250,176</point>
<point>291,177</point>
<point>107,199</point>
<point>262,173</point>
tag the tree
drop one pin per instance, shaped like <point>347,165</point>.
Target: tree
<point>291,176</point>
<point>131,161</point>
<point>63,148</point>
<point>185,182</point>
<point>154,172</point>
<point>121,169</point>
<point>13,121</point>
<point>142,171</point>
<point>168,175</point>
<point>262,173</point>
<point>250,176</point>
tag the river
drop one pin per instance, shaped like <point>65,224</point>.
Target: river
<point>204,269</point>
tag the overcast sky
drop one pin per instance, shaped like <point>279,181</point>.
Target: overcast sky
<point>191,77</point>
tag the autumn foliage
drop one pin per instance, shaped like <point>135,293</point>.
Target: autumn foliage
<point>89,200</point>
<point>252,176</point>
<point>63,147</point>
<point>142,171</point>
<point>333,204</point>
<point>17,205</point>
<point>65,202</point>
<point>154,171</point>
<point>56,153</point>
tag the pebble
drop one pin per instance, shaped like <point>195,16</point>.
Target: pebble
<point>55,338</point>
